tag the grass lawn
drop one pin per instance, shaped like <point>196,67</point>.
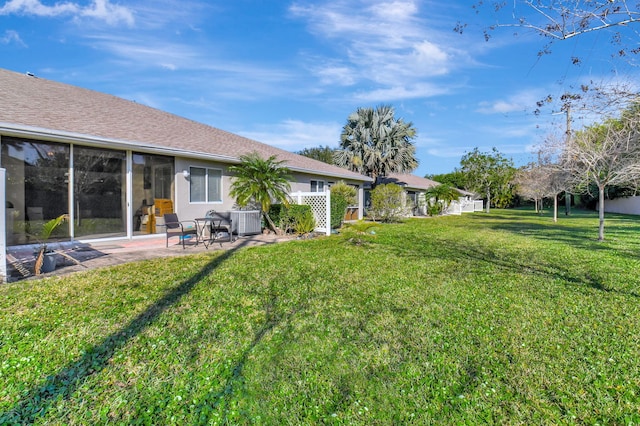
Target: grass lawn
<point>503,318</point>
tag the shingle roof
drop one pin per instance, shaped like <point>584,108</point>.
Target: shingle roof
<point>410,181</point>
<point>58,109</point>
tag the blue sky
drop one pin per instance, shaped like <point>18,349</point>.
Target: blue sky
<point>288,73</point>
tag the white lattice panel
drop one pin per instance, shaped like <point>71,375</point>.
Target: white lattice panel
<point>320,206</point>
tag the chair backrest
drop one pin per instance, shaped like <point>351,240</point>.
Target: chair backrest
<point>171,220</point>
<point>224,217</point>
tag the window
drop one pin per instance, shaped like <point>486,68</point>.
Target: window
<point>317,186</point>
<point>205,185</point>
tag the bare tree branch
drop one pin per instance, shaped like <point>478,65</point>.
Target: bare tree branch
<point>565,19</point>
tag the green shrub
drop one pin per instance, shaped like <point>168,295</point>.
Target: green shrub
<point>387,203</point>
<point>342,196</point>
<point>434,208</point>
<point>285,218</point>
<point>304,222</point>
<point>348,192</point>
<point>338,208</point>
<point>275,210</point>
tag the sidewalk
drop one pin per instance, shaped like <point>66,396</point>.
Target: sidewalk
<point>115,252</point>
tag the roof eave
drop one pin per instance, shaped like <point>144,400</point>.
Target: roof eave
<point>16,130</point>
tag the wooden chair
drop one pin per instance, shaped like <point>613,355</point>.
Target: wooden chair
<point>177,228</point>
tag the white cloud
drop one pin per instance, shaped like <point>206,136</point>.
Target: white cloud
<point>389,43</point>
<point>447,152</point>
<point>145,50</point>
<point>35,7</point>
<point>169,66</point>
<point>295,135</point>
<point>336,74</point>
<point>11,36</point>
<point>101,10</point>
<point>387,94</point>
<point>519,102</point>
<point>112,14</point>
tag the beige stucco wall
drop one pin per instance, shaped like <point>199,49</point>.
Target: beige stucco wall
<point>187,210</point>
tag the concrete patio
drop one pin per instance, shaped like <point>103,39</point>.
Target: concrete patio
<point>79,256</point>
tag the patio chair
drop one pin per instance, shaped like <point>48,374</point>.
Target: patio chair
<point>221,223</point>
<point>177,228</point>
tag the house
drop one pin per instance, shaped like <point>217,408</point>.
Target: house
<point>116,166</point>
<point>414,189</point>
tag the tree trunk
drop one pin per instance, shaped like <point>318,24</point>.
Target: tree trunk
<point>601,212</point>
<point>567,203</point>
<point>555,207</point>
<point>270,224</point>
<point>535,202</point>
<point>488,201</point>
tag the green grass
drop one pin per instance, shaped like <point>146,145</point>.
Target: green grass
<point>504,318</point>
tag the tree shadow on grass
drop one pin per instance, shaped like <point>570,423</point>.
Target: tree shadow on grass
<point>579,236</point>
<point>274,317</point>
<point>37,402</point>
<point>478,253</point>
<point>595,280</point>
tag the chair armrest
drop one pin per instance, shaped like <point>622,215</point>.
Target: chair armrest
<point>191,224</point>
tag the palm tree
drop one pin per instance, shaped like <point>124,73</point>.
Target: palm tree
<point>260,181</point>
<point>442,195</point>
<point>375,143</point>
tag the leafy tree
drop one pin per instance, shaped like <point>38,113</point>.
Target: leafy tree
<point>320,153</point>
<point>489,174</point>
<point>454,179</point>
<point>387,202</point>
<point>260,181</point>
<point>375,143</point>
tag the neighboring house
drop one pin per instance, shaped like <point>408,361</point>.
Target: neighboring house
<point>414,189</point>
<point>115,166</point>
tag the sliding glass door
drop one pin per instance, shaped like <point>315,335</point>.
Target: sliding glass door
<point>37,187</point>
<point>152,186</point>
<point>99,192</point>
<point>46,180</point>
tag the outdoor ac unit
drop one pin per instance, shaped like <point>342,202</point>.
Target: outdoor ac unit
<point>246,222</point>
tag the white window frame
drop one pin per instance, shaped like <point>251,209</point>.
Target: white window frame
<point>318,183</point>
<point>206,185</point>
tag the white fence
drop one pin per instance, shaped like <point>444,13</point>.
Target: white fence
<point>320,203</point>
<point>627,205</point>
<point>464,206</point>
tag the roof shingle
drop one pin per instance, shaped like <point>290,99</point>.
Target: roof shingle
<point>30,102</point>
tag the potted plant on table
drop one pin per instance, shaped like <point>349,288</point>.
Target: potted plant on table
<point>45,257</point>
